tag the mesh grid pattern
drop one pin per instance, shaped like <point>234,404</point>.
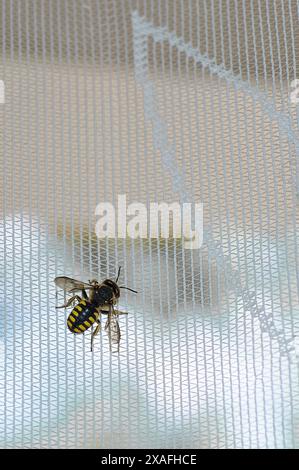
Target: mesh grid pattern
<point>161,101</point>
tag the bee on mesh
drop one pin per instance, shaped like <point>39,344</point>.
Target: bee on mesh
<point>100,300</point>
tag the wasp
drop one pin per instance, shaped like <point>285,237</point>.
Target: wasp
<point>101,299</point>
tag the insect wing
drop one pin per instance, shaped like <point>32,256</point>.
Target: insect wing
<point>112,327</point>
<point>70,285</point>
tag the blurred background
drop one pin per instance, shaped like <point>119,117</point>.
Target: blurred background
<point>161,101</point>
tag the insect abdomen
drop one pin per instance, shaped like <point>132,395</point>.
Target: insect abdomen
<point>82,317</point>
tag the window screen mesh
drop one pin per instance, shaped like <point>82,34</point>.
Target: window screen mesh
<point>160,101</point>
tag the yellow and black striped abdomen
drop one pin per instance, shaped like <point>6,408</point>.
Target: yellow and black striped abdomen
<point>82,317</point>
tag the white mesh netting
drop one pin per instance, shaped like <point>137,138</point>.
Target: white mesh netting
<point>161,101</point>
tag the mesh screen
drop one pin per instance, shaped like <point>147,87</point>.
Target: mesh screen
<point>161,101</point>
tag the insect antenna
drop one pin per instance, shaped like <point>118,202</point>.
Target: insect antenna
<point>128,288</point>
<point>118,274</point>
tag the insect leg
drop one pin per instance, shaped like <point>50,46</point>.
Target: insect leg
<point>120,312</point>
<point>84,294</point>
<point>69,302</point>
<point>94,333</point>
